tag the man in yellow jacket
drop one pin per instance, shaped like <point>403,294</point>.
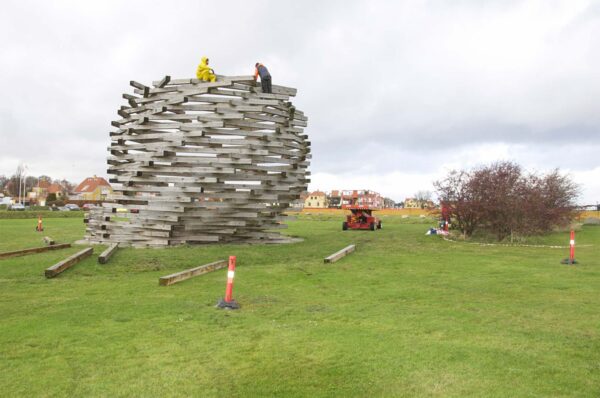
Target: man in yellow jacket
<point>204,72</point>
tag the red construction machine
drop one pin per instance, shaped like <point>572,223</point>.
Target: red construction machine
<point>361,217</point>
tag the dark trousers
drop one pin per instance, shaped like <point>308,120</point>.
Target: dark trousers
<point>265,82</point>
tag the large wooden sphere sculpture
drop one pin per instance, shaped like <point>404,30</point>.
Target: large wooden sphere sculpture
<point>199,162</point>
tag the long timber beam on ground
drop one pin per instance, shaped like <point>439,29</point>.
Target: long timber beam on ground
<point>33,250</point>
<point>189,273</point>
<point>68,262</point>
<point>339,254</point>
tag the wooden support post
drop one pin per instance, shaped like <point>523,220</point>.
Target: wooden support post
<point>165,80</point>
<point>103,258</point>
<point>48,240</point>
<point>189,273</point>
<point>34,250</point>
<point>68,262</point>
<point>342,253</point>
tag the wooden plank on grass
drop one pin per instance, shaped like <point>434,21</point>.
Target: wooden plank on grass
<point>34,250</point>
<point>68,262</point>
<point>342,253</point>
<point>103,258</point>
<point>189,273</point>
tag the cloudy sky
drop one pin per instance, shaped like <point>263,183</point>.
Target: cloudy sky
<point>397,93</point>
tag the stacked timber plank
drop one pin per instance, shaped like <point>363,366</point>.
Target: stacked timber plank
<point>200,162</point>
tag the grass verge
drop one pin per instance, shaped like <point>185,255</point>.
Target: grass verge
<point>405,315</point>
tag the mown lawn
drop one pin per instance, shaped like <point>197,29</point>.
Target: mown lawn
<point>405,315</point>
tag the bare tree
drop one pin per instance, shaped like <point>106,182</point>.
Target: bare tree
<point>45,178</point>
<point>458,198</point>
<point>423,198</point>
<point>501,199</point>
<point>15,185</point>
<point>31,181</point>
<point>499,188</point>
<point>3,181</point>
<point>549,201</point>
<point>68,186</point>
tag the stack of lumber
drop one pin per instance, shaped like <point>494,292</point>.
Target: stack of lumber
<point>201,162</point>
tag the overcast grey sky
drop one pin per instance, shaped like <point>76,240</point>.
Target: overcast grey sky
<point>397,93</point>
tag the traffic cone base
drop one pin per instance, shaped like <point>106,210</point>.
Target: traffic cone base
<point>228,305</point>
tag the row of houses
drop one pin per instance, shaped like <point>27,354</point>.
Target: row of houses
<point>339,198</point>
<point>90,189</point>
<point>98,189</point>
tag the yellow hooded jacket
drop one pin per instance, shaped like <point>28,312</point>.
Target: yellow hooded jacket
<point>204,72</point>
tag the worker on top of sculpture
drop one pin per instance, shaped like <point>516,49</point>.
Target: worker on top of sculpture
<point>265,77</point>
<point>204,72</point>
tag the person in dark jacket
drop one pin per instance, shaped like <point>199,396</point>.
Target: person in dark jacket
<point>265,77</point>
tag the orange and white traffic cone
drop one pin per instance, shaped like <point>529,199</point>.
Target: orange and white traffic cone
<point>229,303</point>
<point>571,259</point>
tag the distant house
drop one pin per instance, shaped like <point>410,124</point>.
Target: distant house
<point>42,186</point>
<point>411,203</point>
<point>361,197</point>
<point>388,203</point>
<point>57,189</point>
<point>39,193</point>
<point>370,199</point>
<point>335,199</point>
<point>298,204</point>
<point>316,199</point>
<point>93,188</point>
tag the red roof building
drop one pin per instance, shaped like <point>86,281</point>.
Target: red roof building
<point>54,188</point>
<point>44,184</point>
<point>40,192</point>
<point>93,188</point>
<point>316,199</point>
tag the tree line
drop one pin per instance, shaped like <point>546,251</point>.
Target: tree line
<point>9,185</point>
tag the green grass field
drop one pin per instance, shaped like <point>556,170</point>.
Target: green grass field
<point>405,315</point>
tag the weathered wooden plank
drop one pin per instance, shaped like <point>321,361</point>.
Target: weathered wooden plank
<point>67,263</point>
<point>165,80</point>
<point>339,254</point>
<point>106,254</point>
<point>42,249</point>
<point>189,273</point>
